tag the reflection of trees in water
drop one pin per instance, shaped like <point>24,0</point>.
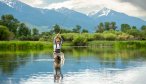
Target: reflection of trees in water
<point>108,56</point>
<point>11,61</point>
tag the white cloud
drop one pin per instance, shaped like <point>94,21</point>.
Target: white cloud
<point>33,3</point>
<point>86,6</point>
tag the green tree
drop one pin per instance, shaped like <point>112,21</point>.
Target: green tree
<point>56,28</point>
<point>143,32</point>
<point>84,31</point>
<point>100,28</point>
<point>143,27</point>
<point>77,29</point>
<point>125,27</point>
<point>107,24</point>
<point>65,31</point>
<point>135,32</point>
<point>35,31</point>
<point>10,22</point>
<point>112,26</point>
<point>23,30</point>
<point>134,27</point>
<point>5,34</point>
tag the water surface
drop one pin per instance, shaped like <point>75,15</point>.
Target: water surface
<point>81,66</point>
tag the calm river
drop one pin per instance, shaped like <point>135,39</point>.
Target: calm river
<point>81,66</point>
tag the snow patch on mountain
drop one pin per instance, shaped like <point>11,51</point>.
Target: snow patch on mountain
<point>10,3</point>
<point>102,12</point>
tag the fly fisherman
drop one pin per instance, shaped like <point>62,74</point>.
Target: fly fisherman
<point>57,43</point>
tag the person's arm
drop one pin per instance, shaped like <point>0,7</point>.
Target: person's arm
<point>54,40</point>
<point>61,39</point>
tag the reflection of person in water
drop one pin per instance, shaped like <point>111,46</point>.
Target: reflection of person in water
<point>58,61</point>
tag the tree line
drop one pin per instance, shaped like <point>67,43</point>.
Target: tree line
<point>13,29</point>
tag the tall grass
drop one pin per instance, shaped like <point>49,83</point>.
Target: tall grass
<point>118,44</point>
<point>23,45</point>
<point>131,44</point>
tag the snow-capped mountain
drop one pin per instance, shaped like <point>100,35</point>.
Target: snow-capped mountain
<point>108,15</point>
<point>65,17</point>
<point>10,3</point>
<point>103,12</point>
<point>45,17</point>
<point>65,11</point>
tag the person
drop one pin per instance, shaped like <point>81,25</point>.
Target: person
<point>57,43</point>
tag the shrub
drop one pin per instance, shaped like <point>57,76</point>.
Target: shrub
<point>109,36</point>
<point>67,36</point>
<point>79,40</point>
<point>98,36</point>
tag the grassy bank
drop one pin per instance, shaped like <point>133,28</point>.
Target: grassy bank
<point>118,44</point>
<point>39,45</point>
<point>24,45</point>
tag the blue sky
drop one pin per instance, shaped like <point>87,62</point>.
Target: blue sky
<point>135,8</point>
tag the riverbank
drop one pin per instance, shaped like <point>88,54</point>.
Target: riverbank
<point>24,45</point>
<point>118,44</point>
<point>39,45</point>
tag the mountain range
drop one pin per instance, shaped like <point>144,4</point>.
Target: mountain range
<point>44,19</point>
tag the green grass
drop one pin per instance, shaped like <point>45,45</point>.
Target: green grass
<point>40,45</point>
<point>118,44</point>
<point>24,45</point>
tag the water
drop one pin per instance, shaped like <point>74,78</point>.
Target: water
<point>81,66</point>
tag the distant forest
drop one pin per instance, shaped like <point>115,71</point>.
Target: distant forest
<point>13,29</point>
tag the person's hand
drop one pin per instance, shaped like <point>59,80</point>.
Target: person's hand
<point>58,35</point>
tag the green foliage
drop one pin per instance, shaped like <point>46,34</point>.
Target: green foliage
<point>134,32</point>
<point>35,31</point>
<point>76,29</point>
<point>10,22</point>
<point>65,31</point>
<point>44,38</point>
<point>56,28</point>
<point>143,35</point>
<point>123,36</point>
<point>143,27</point>
<point>5,34</point>
<point>113,26</point>
<point>98,36</point>
<point>68,36</point>
<point>125,27</point>
<point>131,44</point>
<point>106,26</point>
<point>80,40</point>
<point>100,28</point>
<point>109,36</point>
<point>23,45</point>
<point>24,30</point>
<point>29,38</point>
<point>84,31</point>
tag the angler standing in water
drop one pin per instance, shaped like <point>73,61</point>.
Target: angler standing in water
<point>58,58</point>
<point>57,43</point>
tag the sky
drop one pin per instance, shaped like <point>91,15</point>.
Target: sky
<point>135,8</point>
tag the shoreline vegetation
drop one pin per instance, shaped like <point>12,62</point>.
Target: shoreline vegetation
<point>15,35</point>
<point>39,45</point>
